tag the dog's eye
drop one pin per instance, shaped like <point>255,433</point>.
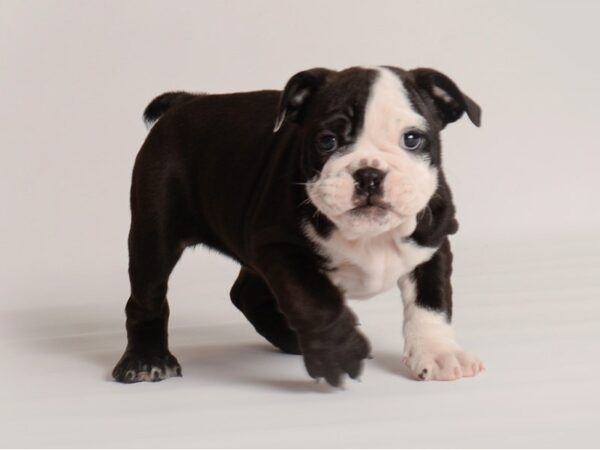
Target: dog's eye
<point>327,141</point>
<point>412,140</point>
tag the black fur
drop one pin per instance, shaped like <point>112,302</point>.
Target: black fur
<point>212,171</point>
<point>164,102</point>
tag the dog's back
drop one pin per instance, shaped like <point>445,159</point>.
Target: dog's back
<point>211,153</point>
<point>157,107</point>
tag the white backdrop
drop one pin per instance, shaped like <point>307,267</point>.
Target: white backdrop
<point>75,77</point>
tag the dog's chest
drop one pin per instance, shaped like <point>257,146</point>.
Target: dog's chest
<point>363,268</point>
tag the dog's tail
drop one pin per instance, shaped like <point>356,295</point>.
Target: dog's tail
<point>164,102</point>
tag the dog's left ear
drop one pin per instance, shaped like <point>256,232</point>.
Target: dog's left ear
<point>296,94</point>
<point>449,101</point>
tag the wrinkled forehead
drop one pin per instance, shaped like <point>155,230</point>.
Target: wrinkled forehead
<point>347,89</point>
<point>375,99</point>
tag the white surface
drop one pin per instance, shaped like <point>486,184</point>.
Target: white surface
<point>533,320</point>
<point>75,78</point>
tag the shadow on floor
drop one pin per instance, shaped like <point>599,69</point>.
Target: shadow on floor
<point>392,363</point>
<point>227,353</point>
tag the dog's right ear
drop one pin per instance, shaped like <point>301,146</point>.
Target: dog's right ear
<point>296,94</point>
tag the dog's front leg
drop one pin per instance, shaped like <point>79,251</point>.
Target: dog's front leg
<point>315,309</point>
<point>430,348</point>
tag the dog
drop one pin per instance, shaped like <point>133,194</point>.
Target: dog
<point>330,189</point>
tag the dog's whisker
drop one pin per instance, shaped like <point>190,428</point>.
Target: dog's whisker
<point>304,202</point>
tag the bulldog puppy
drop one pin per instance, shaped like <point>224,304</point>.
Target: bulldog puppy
<point>331,189</point>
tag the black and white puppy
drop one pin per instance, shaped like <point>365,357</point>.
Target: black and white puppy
<point>330,189</point>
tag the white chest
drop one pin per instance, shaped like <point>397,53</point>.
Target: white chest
<point>363,268</point>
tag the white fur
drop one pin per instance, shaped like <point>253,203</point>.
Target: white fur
<point>410,181</point>
<point>430,348</point>
<point>363,268</point>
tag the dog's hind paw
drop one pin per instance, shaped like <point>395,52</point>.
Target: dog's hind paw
<point>134,367</point>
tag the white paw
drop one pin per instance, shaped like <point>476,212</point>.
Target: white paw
<point>442,365</point>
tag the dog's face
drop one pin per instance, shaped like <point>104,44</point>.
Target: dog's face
<point>371,148</point>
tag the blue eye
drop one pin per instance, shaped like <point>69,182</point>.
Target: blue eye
<point>412,140</point>
<point>327,141</point>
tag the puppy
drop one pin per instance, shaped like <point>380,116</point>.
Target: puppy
<point>331,189</point>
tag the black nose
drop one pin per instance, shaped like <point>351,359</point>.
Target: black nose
<point>368,180</point>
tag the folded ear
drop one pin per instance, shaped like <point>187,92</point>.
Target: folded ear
<point>297,93</point>
<point>449,101</point>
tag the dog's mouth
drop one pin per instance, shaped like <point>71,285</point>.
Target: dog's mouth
<point>371,205</point>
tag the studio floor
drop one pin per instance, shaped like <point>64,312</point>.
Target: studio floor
<point>529,310</point>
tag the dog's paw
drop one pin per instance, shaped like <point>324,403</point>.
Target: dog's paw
<point>443,364</point>
<point>134,367</point>
<point>337,352</point>
<point>333,362</point>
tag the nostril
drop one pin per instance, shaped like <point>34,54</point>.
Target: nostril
<point>368,180</point>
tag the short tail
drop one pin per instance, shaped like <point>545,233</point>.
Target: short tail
<point>163,103</point>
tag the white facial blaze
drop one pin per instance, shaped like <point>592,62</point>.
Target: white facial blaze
<point>410,180</point>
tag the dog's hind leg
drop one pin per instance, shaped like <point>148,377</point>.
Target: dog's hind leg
<point>155,245</point>
<point>147,356</point>
<point>252,296</point>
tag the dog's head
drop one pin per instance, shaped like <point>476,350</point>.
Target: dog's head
<point>370,141</point>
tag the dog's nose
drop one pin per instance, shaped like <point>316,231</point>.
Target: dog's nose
<point>368,180</point>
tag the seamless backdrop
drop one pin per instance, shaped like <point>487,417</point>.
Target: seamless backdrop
<point>75,77</point>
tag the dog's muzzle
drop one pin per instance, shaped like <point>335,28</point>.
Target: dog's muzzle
<point>368,187</point>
